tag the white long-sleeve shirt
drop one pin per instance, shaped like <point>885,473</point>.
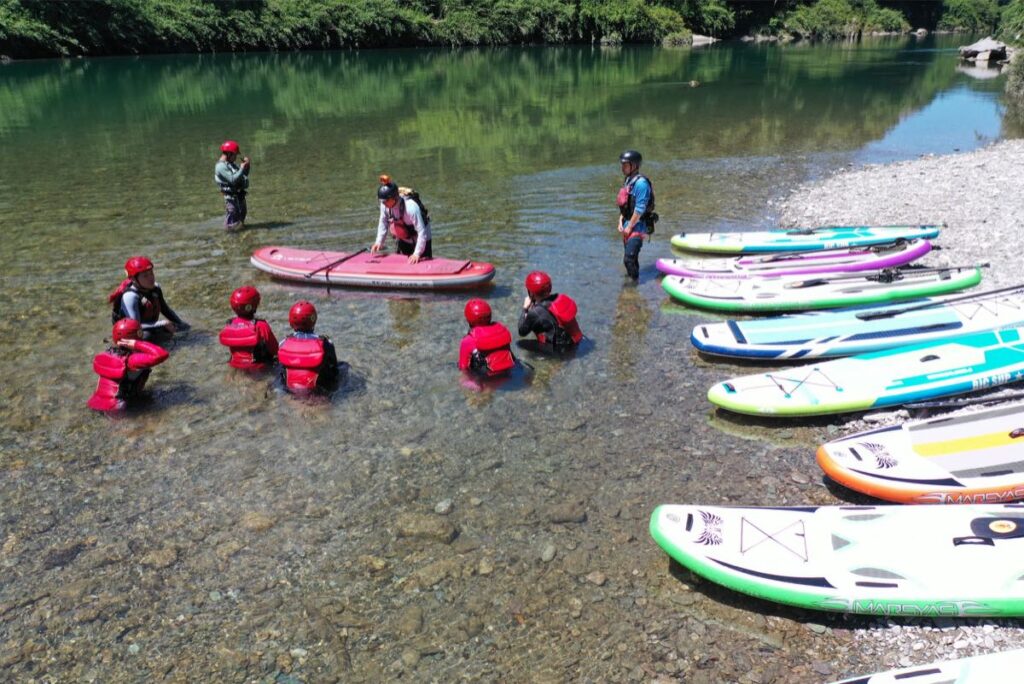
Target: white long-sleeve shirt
<point>413,218</point>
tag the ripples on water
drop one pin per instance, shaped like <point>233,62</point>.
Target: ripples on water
<point>515,153</point>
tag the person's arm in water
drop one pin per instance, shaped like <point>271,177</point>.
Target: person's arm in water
<point>382,230</point>
<point>330,365</point>
<point>525,321</point>
<point>168,312</point>
<point>466,352</point>
<point>264,332</point>
<point>422,229</point>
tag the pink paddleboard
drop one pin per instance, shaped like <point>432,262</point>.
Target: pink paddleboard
<point>362,269</point>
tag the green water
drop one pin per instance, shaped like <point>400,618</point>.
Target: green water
<point>515,152</point>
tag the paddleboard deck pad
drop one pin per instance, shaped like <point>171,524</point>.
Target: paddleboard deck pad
<point>799,263</point>
<point>986,669</point>
<point>976,457</point>
<point>799,239</point>
<point>859,330</point>
<point>798,293</point>
<point>886,378</point>
<point>921,561</point>
<point>362,269</point>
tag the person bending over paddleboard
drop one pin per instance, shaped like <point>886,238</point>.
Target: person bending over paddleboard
<point>403,215</point>
<point>124,367</point>
<point>250,339</point>
<point>552,317</point>
<point>140,298</point>
<point>308,361</point>
<point>486,350</point>
<point>233,181</point>
<point>636,211</point>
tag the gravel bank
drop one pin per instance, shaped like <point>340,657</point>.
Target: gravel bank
<point>978,195</point>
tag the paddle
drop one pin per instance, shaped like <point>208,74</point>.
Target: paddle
<point>886,275</point>
<point>335,263</point>
<point>812,231</point>
<point>875,315</point>
<point>971,401</point>
<point>877,249</point>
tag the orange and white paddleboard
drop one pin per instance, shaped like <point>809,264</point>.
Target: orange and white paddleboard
<point>975,457</point>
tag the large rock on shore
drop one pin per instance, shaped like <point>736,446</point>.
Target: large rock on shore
<point>984,50</point>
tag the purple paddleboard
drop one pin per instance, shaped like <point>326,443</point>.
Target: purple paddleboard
<point>799,263</point>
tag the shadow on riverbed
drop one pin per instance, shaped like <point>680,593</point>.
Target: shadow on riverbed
<point>542,352</point>
<point>850,496</point>
<point>265,225</point>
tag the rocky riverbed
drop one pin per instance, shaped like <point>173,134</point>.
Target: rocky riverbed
<point>440,534</point>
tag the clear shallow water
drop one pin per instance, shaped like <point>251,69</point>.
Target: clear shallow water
<point>515,152</point>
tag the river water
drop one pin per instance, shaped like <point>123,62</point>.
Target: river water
<point>229,533</point>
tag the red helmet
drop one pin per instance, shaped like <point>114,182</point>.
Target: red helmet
<point>229,146</point>
<point>478,312</point>
<point>244,301</point>
<point>126,328</point>
<point>302,316</point>
<point>538,284</point>
<point>137,265</point>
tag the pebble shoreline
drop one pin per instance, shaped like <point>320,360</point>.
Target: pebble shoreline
<point>977,195</point>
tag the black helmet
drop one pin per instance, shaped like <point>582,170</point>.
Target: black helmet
<point>631,156</point>
<point>387,191</point>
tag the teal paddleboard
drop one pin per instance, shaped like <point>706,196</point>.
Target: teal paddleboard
<point>897,376</point>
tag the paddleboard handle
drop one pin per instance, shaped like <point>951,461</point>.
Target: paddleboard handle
<point>973,541</point>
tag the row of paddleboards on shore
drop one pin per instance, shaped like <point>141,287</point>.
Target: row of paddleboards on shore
<point>908,337</point>
<point>879,333</point>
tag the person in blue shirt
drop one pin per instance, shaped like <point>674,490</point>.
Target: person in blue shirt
<point>636,210</point>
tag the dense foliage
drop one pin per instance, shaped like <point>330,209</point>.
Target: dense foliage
<point>1011,26</point>
<point>969,15</point>
<point>43,27</point>
<point>1015,82</point>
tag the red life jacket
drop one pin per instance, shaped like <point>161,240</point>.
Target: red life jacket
<point>397,226</point>
<point>248,349</point>
<point>118,384</point>
<point>493,354</point>
<point>563,310</point>
<point>627,204</point>
<point>302,359</point>
<point>149,302</point>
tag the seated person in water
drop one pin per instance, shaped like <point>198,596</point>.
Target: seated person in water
<point>403,215</point>
<point>308,361</point>
<point>486,350</point>
<point>250,339</point>
<point>140,298</point>
<point>551,317</point>
<point>124,367</point>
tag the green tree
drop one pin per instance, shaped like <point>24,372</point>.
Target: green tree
<point>969,15</point>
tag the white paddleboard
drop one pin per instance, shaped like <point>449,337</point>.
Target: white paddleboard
<point>954,561</point>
